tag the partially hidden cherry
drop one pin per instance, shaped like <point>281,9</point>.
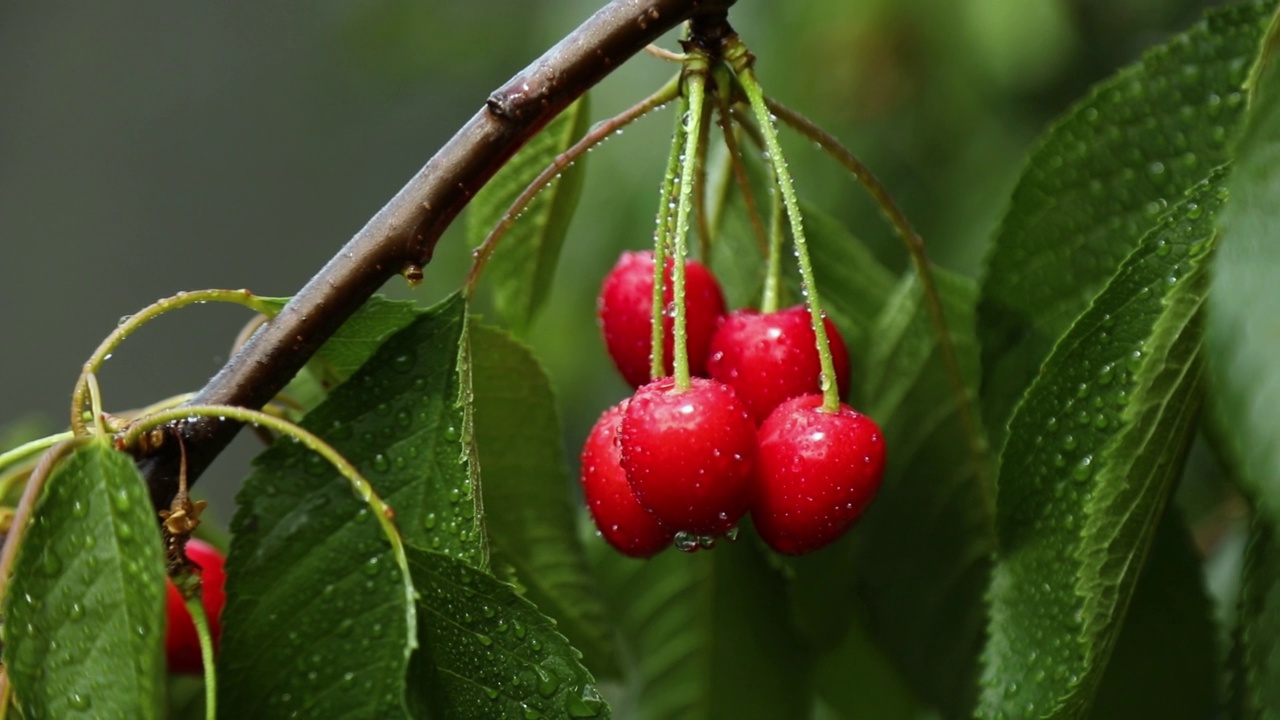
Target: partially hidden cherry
<point>623,522</point>
<point>768,358</point>
<point>625,310</point>
<point>689,455</point>
<point>181,645</point>
<point>815,474</point>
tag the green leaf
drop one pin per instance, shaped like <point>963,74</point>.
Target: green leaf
<point>308,555</point>
<point>1257,672</point>
<point>488,653</point>
<point>737,257</point>
<point>1166,660</point>
<point>857,680</point>
<point>917,563</point>
<point>1096,184</point>
<point>1244,337</point>
<point>529,512</point>
<point>1092,454</point>
<point>710,635</point>
<point>523,267</point>
<point>84,610</point>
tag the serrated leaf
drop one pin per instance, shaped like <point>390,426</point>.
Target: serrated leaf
<point>84,610</point>
<point>710,635</point>
<point>523,267</point>
<point>488,653</point>
<point>1244,334</point>
<point>1256,681</point>
<point>308,555</point>
<point>1092,454</point>
<point>529,513</point>
<point>1166,659</point>
<point>1097,182</point>
<point>917,563</point>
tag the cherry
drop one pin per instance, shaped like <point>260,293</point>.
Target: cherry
<point>688,454</point>
<point>625,310</point>
<point>771,357</point>
<point>181,645</point>
<point>623,522</point>
<point>816,473</point>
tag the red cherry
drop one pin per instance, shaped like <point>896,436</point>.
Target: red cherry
<point>688,455</point>
<point>768,358</point>
<point>623,522</point>
<point>625,311</point>
<point>181,645</point>
<point>815,474</point>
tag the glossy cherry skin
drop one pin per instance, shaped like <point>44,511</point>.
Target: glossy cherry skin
<point>623,522</point>
<point>625,311</point>
<point>182,647</point>
<point>815,474</point>
<point>689,455</point>
<point>771,357</point>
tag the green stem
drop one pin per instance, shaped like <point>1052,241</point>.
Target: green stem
<point>598,134</point>
<point>129,324</point>
<point>773,274</point>
<point>740,59</point>
<point>381,511</point>
<point>695,90</point>
<point>28,450</point>
<point>661,241</point>
<point>195,606</point>
<point>700,184</point>
<point>920,259</point>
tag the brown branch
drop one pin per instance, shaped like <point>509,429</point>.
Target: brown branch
<point>402,236</point>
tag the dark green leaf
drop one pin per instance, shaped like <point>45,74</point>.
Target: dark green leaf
<point>318,620</point>
<point>1092,454</point>
<point>1244,339</point>
<point>857,680</point>
<point>917,563</point>
<point>527,492</point>
<point>84,610</point>
<point>1257,672</point>
<point>523,267</point>
<point>737,250</point>
<point>1166,658</point>
<point>710,634</point>
<point>488,653</point>
<point>1097,182</point>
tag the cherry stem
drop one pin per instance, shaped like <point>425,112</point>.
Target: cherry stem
<point>198,617</point>
<point>363,490</point>
<point>661,241</point>
<point>920,259</point>
<point>773,274</point>
<point>80,396</point>
<point>700,182</point>
<point>741,59</point>
<point>599,133</point>
<point>695,90</point>
<point>724,118</point>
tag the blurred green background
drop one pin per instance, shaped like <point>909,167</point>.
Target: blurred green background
<point>151,147</point>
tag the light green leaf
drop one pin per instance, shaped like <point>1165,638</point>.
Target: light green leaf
<point>710,635</point>
<point>1256,686</point>
<point>527,490</point>
<point>917,563</point>
<point>84,610</point>
<point>1096,184</point>
<point>1244,329</point>
<point>1092,454</point>
<point>488,653</point>
<point>523,267</point>
<point>1166,660</point>
<point>307,555</point>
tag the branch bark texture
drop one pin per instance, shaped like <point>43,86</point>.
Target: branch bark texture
<point>402,236</point>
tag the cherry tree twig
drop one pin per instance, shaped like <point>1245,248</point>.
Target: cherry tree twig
<point>401,237</point>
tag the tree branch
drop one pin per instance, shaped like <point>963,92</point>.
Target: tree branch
<point>402,236</point>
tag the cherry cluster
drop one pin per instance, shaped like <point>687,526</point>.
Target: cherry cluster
<point>750,433</point>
